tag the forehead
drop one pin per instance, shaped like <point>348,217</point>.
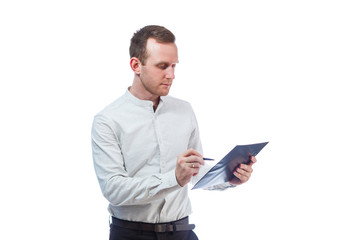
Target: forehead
<point>161,52</point>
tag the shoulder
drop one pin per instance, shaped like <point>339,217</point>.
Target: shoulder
<point>178,107</point>
<point>116,105</point>
<point>111,110</point>
<point>170,100</point>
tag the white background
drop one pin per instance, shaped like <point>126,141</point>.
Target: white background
<point>278,71</point>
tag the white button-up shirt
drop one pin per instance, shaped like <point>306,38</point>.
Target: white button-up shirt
<point>135,152</point>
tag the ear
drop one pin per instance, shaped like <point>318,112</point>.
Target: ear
<point>135,65</point>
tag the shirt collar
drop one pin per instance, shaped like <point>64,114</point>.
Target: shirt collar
<point>140,102</point>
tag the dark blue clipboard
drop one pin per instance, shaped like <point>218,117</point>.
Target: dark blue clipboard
<point>223,171</point>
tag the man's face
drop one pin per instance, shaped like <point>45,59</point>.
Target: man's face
<point>159,70</point>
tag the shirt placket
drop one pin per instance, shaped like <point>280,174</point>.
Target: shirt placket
<point>162,159</point>
<point>160,143</point>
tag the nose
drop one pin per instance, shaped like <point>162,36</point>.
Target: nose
<point>170,73</point>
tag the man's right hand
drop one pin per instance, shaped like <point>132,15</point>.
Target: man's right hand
<point>188,165</point>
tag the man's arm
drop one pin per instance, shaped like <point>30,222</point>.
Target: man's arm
<point>116,184</point>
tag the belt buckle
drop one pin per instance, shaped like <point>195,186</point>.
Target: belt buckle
<point>160,228</point>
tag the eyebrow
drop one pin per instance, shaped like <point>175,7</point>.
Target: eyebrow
<point>168,63</point>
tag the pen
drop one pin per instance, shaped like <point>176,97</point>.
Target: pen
<point>208,159</point>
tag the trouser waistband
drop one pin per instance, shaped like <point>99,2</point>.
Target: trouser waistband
<point>179,225</point>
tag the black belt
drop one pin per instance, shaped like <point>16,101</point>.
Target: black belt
<point>179,225</point>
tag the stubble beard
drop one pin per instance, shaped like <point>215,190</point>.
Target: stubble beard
<point>153,91</point>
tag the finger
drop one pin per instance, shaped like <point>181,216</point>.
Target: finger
<point>252,160</point>
<point>196,171</point>
<point>243,172</point>
<point>194,159</point>
<point>190,152</point>
<point>193,165</point>
<point>242,178</point>
<point>194,168</point>
<point>247,168</point>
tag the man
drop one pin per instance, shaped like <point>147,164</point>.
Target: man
<point>146,147</point>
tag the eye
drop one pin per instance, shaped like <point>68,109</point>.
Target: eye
<point>163,66</point>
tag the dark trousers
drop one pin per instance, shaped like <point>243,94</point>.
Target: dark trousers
<point>120,233</point>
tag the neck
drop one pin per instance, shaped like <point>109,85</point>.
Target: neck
<point>138,90</point>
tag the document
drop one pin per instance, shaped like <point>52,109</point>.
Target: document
<point>223,171</point>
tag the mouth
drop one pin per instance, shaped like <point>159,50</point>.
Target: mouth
<point>166,85</point>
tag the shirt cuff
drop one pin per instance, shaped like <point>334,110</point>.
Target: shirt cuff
<point>170,179</point>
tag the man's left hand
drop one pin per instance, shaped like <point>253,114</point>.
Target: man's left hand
<point>243,173</point>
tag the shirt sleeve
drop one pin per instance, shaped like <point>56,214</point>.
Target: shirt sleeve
<point>115,183</point>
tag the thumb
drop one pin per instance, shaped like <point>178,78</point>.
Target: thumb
<point>252,160</point>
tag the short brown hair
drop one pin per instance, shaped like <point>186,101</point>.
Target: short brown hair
<point>139,40</point>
